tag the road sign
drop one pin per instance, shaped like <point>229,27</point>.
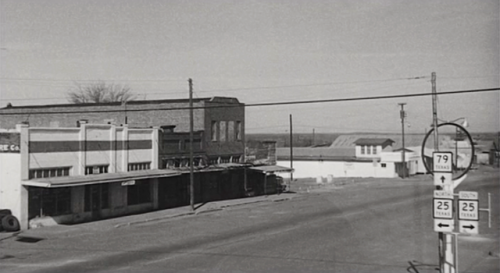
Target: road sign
<point>443,208</point>
<point>443,194</point>
<point>443,162</point>
<point>469,227</point>
<point>443,179</point>
<point>468,195</point>
<point>444,225</point>
<point>468,210</point>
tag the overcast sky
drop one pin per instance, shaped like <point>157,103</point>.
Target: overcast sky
<point>264,51</point>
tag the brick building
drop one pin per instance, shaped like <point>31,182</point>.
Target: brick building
<point>219,122</point>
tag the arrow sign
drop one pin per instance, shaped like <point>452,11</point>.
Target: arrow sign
<point>444,225</point>
<point>443,179</point>
<point>469,227</point>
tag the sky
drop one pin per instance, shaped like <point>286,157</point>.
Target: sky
<point>264,51</point>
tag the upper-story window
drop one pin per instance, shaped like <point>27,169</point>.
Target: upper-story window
<point>362,150</point>
<point>222,131</point>
<point>52,172</point>
<point>230,131</point>
<point>238,130</point>
<point>96,169</point>
<point>214,130</point>
<point>139,166</point>
<point>374,150</point>
<point>368,150</point>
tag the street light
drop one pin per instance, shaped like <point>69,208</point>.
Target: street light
<point>464,124</point>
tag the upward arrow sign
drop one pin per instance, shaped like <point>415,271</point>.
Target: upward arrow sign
<point>443,179</point>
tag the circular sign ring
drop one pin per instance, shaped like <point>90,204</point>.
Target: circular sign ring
<point>463,130</point>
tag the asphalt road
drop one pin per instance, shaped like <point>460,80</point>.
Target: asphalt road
<point>365,227</point>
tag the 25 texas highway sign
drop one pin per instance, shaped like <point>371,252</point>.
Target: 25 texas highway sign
<point>443,211</point>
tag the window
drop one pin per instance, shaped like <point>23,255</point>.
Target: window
<point>96,197</point>
<point>238,130</point>
<point>383,165</point>
<point>139,193</point>
<point>48,202</point>
<point>222,131</point>
<point>53,172</point>
<point>362,150</point>
<point>374,150</point>
<point>214,130</point>
<point>96,169</point>
<point>230,131</point>
<point>139,166</point>
<point>368,150</point>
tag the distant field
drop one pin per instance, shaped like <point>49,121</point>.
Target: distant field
<point>306,140</point>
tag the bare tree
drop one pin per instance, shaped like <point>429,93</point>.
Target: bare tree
<point>100,92</point>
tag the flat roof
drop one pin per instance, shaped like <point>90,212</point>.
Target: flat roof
<point>72,181</point>
<point>272,169</point>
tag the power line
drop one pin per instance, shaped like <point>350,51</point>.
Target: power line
<point>263,104</point>
<point>232,89</point>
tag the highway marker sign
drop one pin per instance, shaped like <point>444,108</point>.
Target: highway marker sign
<point>469,227</point>
<point>443,162</point>
<point>444,225</point>
<point>442,205</point>
<point>468,210</point>
<point>443,208</point>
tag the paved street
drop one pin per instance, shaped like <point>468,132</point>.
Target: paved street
<point>370,226</point>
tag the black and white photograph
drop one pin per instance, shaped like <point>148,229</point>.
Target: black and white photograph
<point>250,136</point>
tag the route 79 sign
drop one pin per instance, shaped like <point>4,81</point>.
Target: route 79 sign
<point>443,162</point>
<point>443,168</point>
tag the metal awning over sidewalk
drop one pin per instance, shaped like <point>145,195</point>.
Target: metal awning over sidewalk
<point>72,181</point>
<point>272,169</point>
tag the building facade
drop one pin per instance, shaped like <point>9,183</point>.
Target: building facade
<point>220,119</point>
<point>71,175</point>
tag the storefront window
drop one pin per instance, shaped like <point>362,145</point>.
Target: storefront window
<point>139,193</point>
<point>49,202</point>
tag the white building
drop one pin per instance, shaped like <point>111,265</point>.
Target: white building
<point>70,175</point>
<point>371,157</point>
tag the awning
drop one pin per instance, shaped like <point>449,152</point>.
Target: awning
<point>272,169</point>
<point>72,181</point>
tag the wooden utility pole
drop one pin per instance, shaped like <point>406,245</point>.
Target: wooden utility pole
<point>403,159</point>
<point>191,161</point>
<point>445,241</point>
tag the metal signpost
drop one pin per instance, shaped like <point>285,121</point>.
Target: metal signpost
<point>443,201</point>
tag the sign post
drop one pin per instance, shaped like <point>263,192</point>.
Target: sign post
<point>442,170</point>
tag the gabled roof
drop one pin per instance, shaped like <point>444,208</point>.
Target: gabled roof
<point>374,141</point>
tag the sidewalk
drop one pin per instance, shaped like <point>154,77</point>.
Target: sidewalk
<point>64,231</point>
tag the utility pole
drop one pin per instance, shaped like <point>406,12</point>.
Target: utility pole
<point>446,263</point>
<point>403,114</point>
<point>291,153</point>
<point>191,161</point>
<point>436,149</point>
<point>314,138</point>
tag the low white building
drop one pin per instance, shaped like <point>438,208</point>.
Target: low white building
<point>371,157</point>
